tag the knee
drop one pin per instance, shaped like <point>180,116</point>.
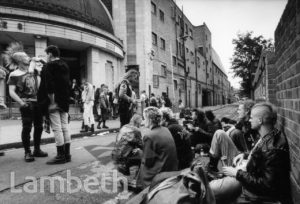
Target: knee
<point>220,135</point>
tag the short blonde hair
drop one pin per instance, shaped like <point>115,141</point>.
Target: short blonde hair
<point>167,113</point>
<point>153,114</point>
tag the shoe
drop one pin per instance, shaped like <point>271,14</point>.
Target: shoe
<point>29,157</point>
<point>60,157</point>
<point>86,129</point>
<point>40,153</point>
<point>98,126</point>
<point>105,127</point>
<point>92,128</point>
<point>67,152</point>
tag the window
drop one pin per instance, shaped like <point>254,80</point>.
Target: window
<point>153,8</point>
<point>182,83</point>
<point>161,15</point>
<point>174,61</point>
<point>154,39</point>
<point>177,47</point>
<point>155,81</point>
<point>191,33</point>
<point>186,29</point>
<point>175,84</point>
<point>192,54</point>
<point>187,50</point>
<point>162,44</point>
<point>163,71</point>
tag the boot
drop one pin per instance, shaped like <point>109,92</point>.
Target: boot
<point>92,128</point>
<point>212,169</point>
<point>82,125</point>
<point>104,126</point>
<point>60,157</point>
<point>98,126</point>
<point>39,153</point>
<point>86,129</point>
<point>67,152</point>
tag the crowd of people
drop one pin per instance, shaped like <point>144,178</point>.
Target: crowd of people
<point>253,154</point>
<point>248,158</point>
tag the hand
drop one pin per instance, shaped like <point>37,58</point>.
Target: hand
<point>52,107</point>
<point>23,104</point>
<point>137,151</point>
<point>238,159</point>
<point>229,171</point>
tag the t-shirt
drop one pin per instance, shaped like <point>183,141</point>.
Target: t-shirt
<point>26,84</point>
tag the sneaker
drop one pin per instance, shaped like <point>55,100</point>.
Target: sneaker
<point>40,153</point>
<point>29,157</point>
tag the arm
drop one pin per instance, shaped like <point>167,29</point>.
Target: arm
<point>102,101</point>
<point>50,84</point>
<point>14,96</point>
<point>89,96</point>
<point>148,153</point>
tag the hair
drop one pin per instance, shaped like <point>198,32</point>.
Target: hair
<point>210,115</point>
<point>167,113</point>
<point>152,94</point>
<point>135,120</point>
<point>248,105</point>
<point>53,50</point>
<point>269,114</point>
<point>12,55</point>
<point>228,121</point>
<point>200,115</point>
<point>153,114</point>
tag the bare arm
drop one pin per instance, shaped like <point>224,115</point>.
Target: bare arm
<point>14,96</point>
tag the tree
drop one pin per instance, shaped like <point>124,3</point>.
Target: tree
<point>246,55</point>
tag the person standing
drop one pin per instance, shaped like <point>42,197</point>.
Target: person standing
<point>58,89</point>
<point>104,105</point>
<point>97,108</point>
<point>125,102</point>
<point>23,87</point>
<point>88,103</point>
<point>153,101</point>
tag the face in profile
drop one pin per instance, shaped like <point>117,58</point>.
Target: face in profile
<point>146,121</point>
<point>241,111</point>
<point>255,119</point>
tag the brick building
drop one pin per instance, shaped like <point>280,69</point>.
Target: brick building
<point>278,81</point>
<point>170,53</point>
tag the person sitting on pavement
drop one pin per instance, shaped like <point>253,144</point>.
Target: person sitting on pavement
<point>128,141</point>
<point>181,138</point>
<point>216,124</point>
<point>159,152</point>
<point>262,176</point>
<point>227,124</point>
<point>227,145</point>
<point>200,129</point>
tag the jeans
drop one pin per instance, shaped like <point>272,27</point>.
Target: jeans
<point>222,145</point>
<point>88,115</point>
<point>226,190</point>
<point>59,125</point>
<point>31,115</point>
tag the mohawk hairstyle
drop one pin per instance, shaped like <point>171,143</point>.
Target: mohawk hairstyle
<point>9,56</point>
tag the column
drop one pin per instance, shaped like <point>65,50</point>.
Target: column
<point>40,46</point>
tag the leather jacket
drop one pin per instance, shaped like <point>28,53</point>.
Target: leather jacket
<point>267,175</point>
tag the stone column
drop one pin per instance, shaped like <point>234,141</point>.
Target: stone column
<point>95,73</point>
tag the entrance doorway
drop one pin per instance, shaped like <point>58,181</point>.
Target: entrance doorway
<point>72,58</point>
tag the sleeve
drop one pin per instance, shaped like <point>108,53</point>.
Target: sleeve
<point>123,95</point>
<point>149,155</point>
<point>102,101</point>
<point>238,139</point>
<point>275,167</point>
<point>89,95</point>
<point>12,80</point>
<point>49,79</point>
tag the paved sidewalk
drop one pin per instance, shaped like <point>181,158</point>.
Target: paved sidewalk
<point>10,130</point>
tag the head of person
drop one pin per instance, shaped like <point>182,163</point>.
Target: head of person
<point>244,109</point>
<point>143,92</point>
<point>152,95</point>
<point>152,117</point>
<point>263,114</point>
<point>180,101</point>
<point>136,120</point>
<point>15,57</point>
<point>74,81</point>
<point>84,81</point>
<point>167,115</point>
<point>104,88</point>
<point>52,52</point>
<point>198,115</point>
<point>210,115</point>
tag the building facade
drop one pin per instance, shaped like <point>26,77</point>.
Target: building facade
<point>169,52</point>
<point>83,30</point>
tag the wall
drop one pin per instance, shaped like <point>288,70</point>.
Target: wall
<point>287,45</point>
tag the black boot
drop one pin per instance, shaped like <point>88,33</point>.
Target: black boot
<point>98,126</point>
<point>67,152</point>
<point>60,157</point>
<point>104,126</point>
<point>92,128</point>
<point>39,153</point>
<point>37,141</point>
<point>213,164</point>
<point>82,125</point>
<point>86,129</point>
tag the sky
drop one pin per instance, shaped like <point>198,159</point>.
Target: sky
<point>226,18</point>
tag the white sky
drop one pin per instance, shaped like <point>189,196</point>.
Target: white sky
<point>225,18</point>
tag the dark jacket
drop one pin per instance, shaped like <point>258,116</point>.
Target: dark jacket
<point>159,155</point>
<point>42,96</point>
<point>57,82</point>
<point>267,175</point>
<point>183,144</point>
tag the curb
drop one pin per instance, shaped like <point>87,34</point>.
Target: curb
<point>52,140</point>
